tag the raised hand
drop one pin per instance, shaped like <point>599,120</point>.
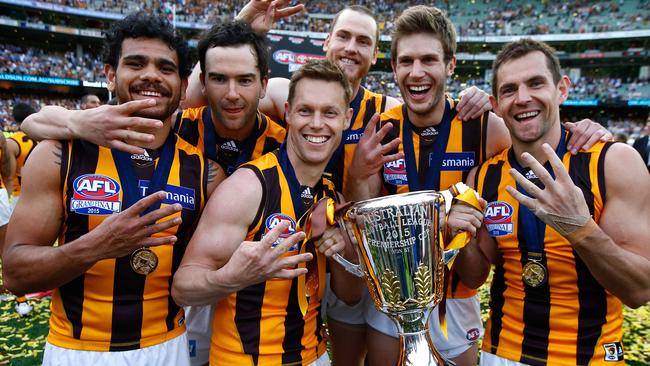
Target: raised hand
<point>561,204</point>
<point>370,154</point>
<point>111,125</point>
<point>473,103</point>
<point>584,134</point>
<point>257,261</point>
<point>261,14</point>
<point>120,234</point>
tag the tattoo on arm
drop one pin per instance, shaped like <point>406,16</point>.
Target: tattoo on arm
<point>213,169</point>
<point>58,153</point>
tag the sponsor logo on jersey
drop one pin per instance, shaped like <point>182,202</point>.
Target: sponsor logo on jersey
<point>173,194</point>
<point>613,352</point>
<point>473,334</point>
<point>352,137</point>
<point>230,145</point>
<point>395,172</point>
<point>457,161</point>
<point>275,219</point>
<point>142,157</point>
<point>95,194</point>
<point>429,132</point>
<point>498,218</point>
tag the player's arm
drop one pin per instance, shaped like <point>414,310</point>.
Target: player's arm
<point>584,134</point>
<point>218,260</point>
<point>474,260</point>
<point>106,125</point>
<point>216,175</point>
<point>615,250</point>
<point>8,164</point>
<point>370,155</point>
<point>277,93</point>
<point>31,263</point>
<point>498,136</point>
<point>194,96</point>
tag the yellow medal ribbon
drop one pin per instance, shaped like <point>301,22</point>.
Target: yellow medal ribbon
<point>459,192</point>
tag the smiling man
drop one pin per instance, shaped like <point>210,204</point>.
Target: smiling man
<point>244,253</point>
<point>122,222</point>
<point>567,238</point>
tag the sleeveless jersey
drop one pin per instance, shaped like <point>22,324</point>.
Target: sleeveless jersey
<point>364,105</point>
<point>25,147</point>
<point>569,320</point>
<point>195,126</point>
<point>110,307</point>
<point>463,149</point>
<point>263,324</point>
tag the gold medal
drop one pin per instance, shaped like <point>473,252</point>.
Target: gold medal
<point>534,274</point>
<point>144,261</point>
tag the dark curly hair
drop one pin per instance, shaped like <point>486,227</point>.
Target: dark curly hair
<point>231,34</point>
<point>143,25</point>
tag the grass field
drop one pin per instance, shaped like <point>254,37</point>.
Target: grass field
<point>22,339</point>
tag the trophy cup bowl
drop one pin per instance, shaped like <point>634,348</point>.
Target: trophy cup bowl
<point>402,262</point>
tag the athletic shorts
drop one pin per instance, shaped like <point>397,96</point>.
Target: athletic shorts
<point>489,359</point>
<point>343,313</point>
<point>5,207</point>
<point>464,325</point>
<point>198,321</point>
<point>171,352</point>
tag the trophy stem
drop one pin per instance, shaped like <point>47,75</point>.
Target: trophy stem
<point>417,349</point>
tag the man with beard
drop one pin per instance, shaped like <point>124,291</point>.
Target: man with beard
<point>122,223</point>
<point>565,232</point>
<point>438,150</point>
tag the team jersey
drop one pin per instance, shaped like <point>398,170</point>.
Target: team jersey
<point>442,156</point>
<point>196,127</point>
<point>25,147</point>
<point>111,307</point>
<point>570,319</point>
<point>364,105</point>
<point>263,323</point>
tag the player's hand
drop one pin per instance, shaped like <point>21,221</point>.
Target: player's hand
<point>370,154</point>
<point>561,204</point>
<point>261,14</point>
<point>120,234</point>
<point>257,261</point>
<point>111,125</point>
<point>584,134</point>
<point>463,217</point>
<point>332,242</point>
<point>473,103</point>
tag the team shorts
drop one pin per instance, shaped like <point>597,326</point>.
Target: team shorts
<point>464,325</point>
<point>340,311</point>
<point>5,207</point>
<point>171,352</point>
<point>489,359</point>
<point>198,321</point>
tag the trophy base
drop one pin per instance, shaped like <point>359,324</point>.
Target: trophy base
<point>417,349</point>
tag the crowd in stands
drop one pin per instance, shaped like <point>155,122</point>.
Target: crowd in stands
<point>7,101</point>
<point>34,61</point>
<point>472,18</point>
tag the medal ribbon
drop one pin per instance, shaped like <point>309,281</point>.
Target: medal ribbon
<point>245,150</point>
<point>432,180</point>
<point>158,182</point>
<point>300,210</point>
<point>535,228</point>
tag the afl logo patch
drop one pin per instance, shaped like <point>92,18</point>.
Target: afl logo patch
<point>498,218</point>
<point>473,334</point>
<point>275,219</point>
<point>95,194</point>
<point>395,172</point>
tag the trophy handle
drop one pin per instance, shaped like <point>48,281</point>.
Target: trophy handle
<point>355,269</point>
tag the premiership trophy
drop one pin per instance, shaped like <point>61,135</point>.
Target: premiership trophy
<point>402,262</point>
